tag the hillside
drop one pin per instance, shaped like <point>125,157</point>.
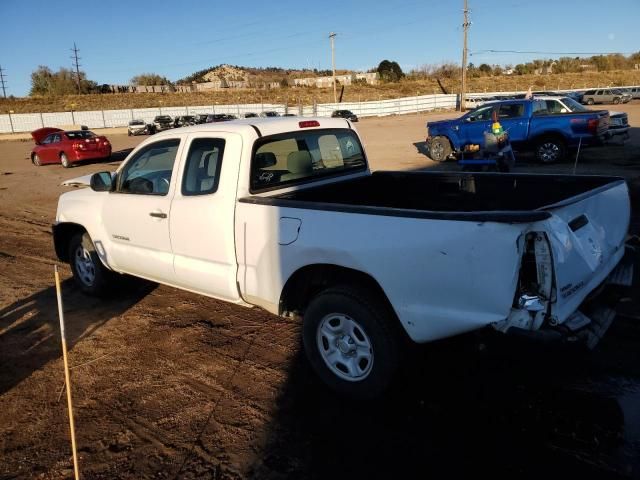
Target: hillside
<point>307,95</point>
<point>256,76</point>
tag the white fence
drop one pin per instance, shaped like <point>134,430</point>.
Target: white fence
<point>27,122</point>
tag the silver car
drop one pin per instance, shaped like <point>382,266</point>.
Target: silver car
<point>603,95</point>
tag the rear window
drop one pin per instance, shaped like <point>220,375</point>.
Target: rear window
<point>79,134</point>
<point>299,157</point>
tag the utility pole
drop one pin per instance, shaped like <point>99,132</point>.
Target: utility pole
<point>2,80</point>
<point>75,59</point>
<point>333,65</point>
<point>465,26</point>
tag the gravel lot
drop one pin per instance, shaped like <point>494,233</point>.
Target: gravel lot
<point>168,384</point>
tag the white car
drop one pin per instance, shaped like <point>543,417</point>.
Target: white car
<point>285,214</point>
<point>138,127</point>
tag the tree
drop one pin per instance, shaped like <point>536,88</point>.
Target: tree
<point>149,79</point>
<point>485,69</point>
<point>63,82</point>
<point>390,71</point>
<point>41,80</point>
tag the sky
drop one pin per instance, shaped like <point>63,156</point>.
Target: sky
<point>118,40</point>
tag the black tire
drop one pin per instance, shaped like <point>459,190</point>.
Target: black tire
<point>616,101</point>
<point>64,160</point>
<point>439,149</point>
<point>128,133</point>
<point>100,281</point>
<point>590,101</point>
<point>550,150</point>
<point>373,329</point>
<point>35,159</point>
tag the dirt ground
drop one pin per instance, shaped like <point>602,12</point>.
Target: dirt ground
<point>168,384</point>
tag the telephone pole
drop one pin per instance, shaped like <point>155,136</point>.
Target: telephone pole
<point>465,26</point>
<point>2,80</point>
<point>333,65</point>
<point>76,65</point>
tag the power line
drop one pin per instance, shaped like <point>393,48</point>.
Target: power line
<point>2,80</point>
<point>75,59</point>
<point>549,53</point>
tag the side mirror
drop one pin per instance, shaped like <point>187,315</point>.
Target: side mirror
<point>101,182</point>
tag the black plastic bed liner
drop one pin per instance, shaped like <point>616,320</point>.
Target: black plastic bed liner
<point>497,197</point>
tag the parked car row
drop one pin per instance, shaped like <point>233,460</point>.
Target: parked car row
<point>587,97</point>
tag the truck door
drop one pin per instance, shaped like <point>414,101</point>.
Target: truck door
<point>513,120</point>
<point>475,124</point>
<point>136,214</point>
<point>203,215</point>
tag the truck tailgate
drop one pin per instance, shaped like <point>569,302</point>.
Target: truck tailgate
<point>587,234</point>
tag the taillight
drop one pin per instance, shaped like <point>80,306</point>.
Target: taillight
<point>309,124</point>
<point>592,126</point>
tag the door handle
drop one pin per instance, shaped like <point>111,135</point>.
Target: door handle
<point>158,214</point>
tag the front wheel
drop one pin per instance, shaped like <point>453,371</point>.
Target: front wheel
<point>590,101</point>
<point>550,150</point>
<point>35,159</point>
<point>89,273</point>
<point>350,342</point>
<point>439,149</point>
<point>616,101</point>
<point>64,160</point>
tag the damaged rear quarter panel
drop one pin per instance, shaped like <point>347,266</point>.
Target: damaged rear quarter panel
<point>442,277</point>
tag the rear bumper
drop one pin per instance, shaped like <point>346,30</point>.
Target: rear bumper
<point>591,320</point>
<point>90,155</point>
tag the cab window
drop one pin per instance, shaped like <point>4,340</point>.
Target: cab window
<point>513,110</point>
<point>202,169</point>
<point>481,114</point>
<point>149,171</point>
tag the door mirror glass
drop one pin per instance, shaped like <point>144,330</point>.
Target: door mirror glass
<point>101,182</point>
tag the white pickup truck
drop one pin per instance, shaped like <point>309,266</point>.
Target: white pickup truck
<point>285,214</point>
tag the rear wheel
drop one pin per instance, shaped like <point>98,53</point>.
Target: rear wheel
<point>550,150</point>
<point>88,271</point>
<point>35,159</point>
<point>350,342</point>
<point>439,149</point>
<point>64,160</point>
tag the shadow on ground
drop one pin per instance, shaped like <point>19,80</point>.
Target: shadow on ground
<point>457,411</point>
<point>31,325</point>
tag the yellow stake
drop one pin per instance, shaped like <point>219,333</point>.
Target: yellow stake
<point>66,375</point>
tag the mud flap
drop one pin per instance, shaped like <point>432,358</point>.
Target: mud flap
<point>622,275</point>
<point>600,321</point>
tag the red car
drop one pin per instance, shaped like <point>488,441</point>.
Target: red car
<point>54,145</point>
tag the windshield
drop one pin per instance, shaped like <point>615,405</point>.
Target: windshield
<point>296,157</point>
<point>163,118</point>
<point>136,122</point>
<point>573,106</point>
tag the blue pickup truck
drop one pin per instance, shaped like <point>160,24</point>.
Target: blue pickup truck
<point>548,126</point>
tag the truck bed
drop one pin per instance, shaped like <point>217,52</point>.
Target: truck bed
<point>500,197</point>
